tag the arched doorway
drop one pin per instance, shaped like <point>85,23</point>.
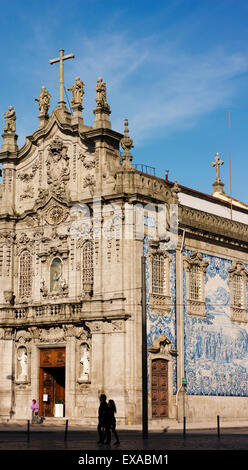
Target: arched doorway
<point>160,405</point>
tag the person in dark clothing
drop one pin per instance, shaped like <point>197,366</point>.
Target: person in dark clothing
<point>103,421</point>
<point>112,420</point>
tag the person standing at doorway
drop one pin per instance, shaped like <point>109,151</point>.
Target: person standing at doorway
<point>35,411</point>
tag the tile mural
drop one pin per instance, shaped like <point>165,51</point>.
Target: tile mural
<point>216,348</point>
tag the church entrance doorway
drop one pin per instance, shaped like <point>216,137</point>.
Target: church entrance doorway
<point>160,388</point>
<point>52,380</point>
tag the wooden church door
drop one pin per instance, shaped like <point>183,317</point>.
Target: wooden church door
<point>159,388</point>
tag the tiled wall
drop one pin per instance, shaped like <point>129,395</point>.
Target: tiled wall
<point>216,348</point>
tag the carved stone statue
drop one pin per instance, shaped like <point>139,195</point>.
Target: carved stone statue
<point>101,94</point>
<point>10,119</point>
<point>44,101</point>
<point>85,361</point>
<point>55,275</point>
<point>77,92</point>
<point>22,360</point>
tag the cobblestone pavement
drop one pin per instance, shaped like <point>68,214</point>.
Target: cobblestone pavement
<point>80,447</point>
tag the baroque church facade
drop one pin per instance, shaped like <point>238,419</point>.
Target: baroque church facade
<point>76,220</point>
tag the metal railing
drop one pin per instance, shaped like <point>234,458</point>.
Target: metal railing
<point>149,170</point>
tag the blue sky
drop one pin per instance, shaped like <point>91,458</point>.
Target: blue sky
<point>172,67</point>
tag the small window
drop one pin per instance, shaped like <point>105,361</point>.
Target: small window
<point>158,274</point>
<point>237,291</point>
<point>159,282</point>
<point>25,279</point>
<point>195,283</point>
<point>195,268</point>
<point>88,263</point>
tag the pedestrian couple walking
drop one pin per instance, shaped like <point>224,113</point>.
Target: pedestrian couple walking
<point>106,420</point>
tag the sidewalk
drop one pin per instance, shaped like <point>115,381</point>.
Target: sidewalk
<point>167,425</point>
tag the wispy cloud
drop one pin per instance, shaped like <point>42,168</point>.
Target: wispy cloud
<point>160,86</point>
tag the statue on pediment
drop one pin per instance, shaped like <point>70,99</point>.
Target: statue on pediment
<point>44,101</point>
<point>10,120</point>
<point>77,92</point>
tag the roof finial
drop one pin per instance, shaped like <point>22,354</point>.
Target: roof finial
<point>127,144</point>
<point>218,185</point>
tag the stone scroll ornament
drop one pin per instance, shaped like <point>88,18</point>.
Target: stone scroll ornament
<point>58,172</point>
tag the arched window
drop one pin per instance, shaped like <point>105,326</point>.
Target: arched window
<point>88,264</point>
<point>25,277</point>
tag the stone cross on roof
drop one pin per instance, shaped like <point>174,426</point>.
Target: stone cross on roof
<point>217,185</point>
<point>217,164</point>
<point>61,60</point>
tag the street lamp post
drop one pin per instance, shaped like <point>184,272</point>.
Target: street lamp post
<point>144,354</point>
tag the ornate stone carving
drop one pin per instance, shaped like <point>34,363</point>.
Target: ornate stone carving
<point>6,333</point>
<point>58,172</point>
<point>162,346</point>
<point>9,296</point>
<point>89,182</point>
<point>87,160</point>
<point>55,215</point>
<point>28,192</point>
<point>26,177</point>
<point>52,335</point>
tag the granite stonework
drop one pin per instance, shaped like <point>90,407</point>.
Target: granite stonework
<point>76,218</point>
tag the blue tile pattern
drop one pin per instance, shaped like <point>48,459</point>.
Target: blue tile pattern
<point>216,348</point>
<point>162,325</point>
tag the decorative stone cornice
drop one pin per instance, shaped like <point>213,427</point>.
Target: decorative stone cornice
<point>213,226</point>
